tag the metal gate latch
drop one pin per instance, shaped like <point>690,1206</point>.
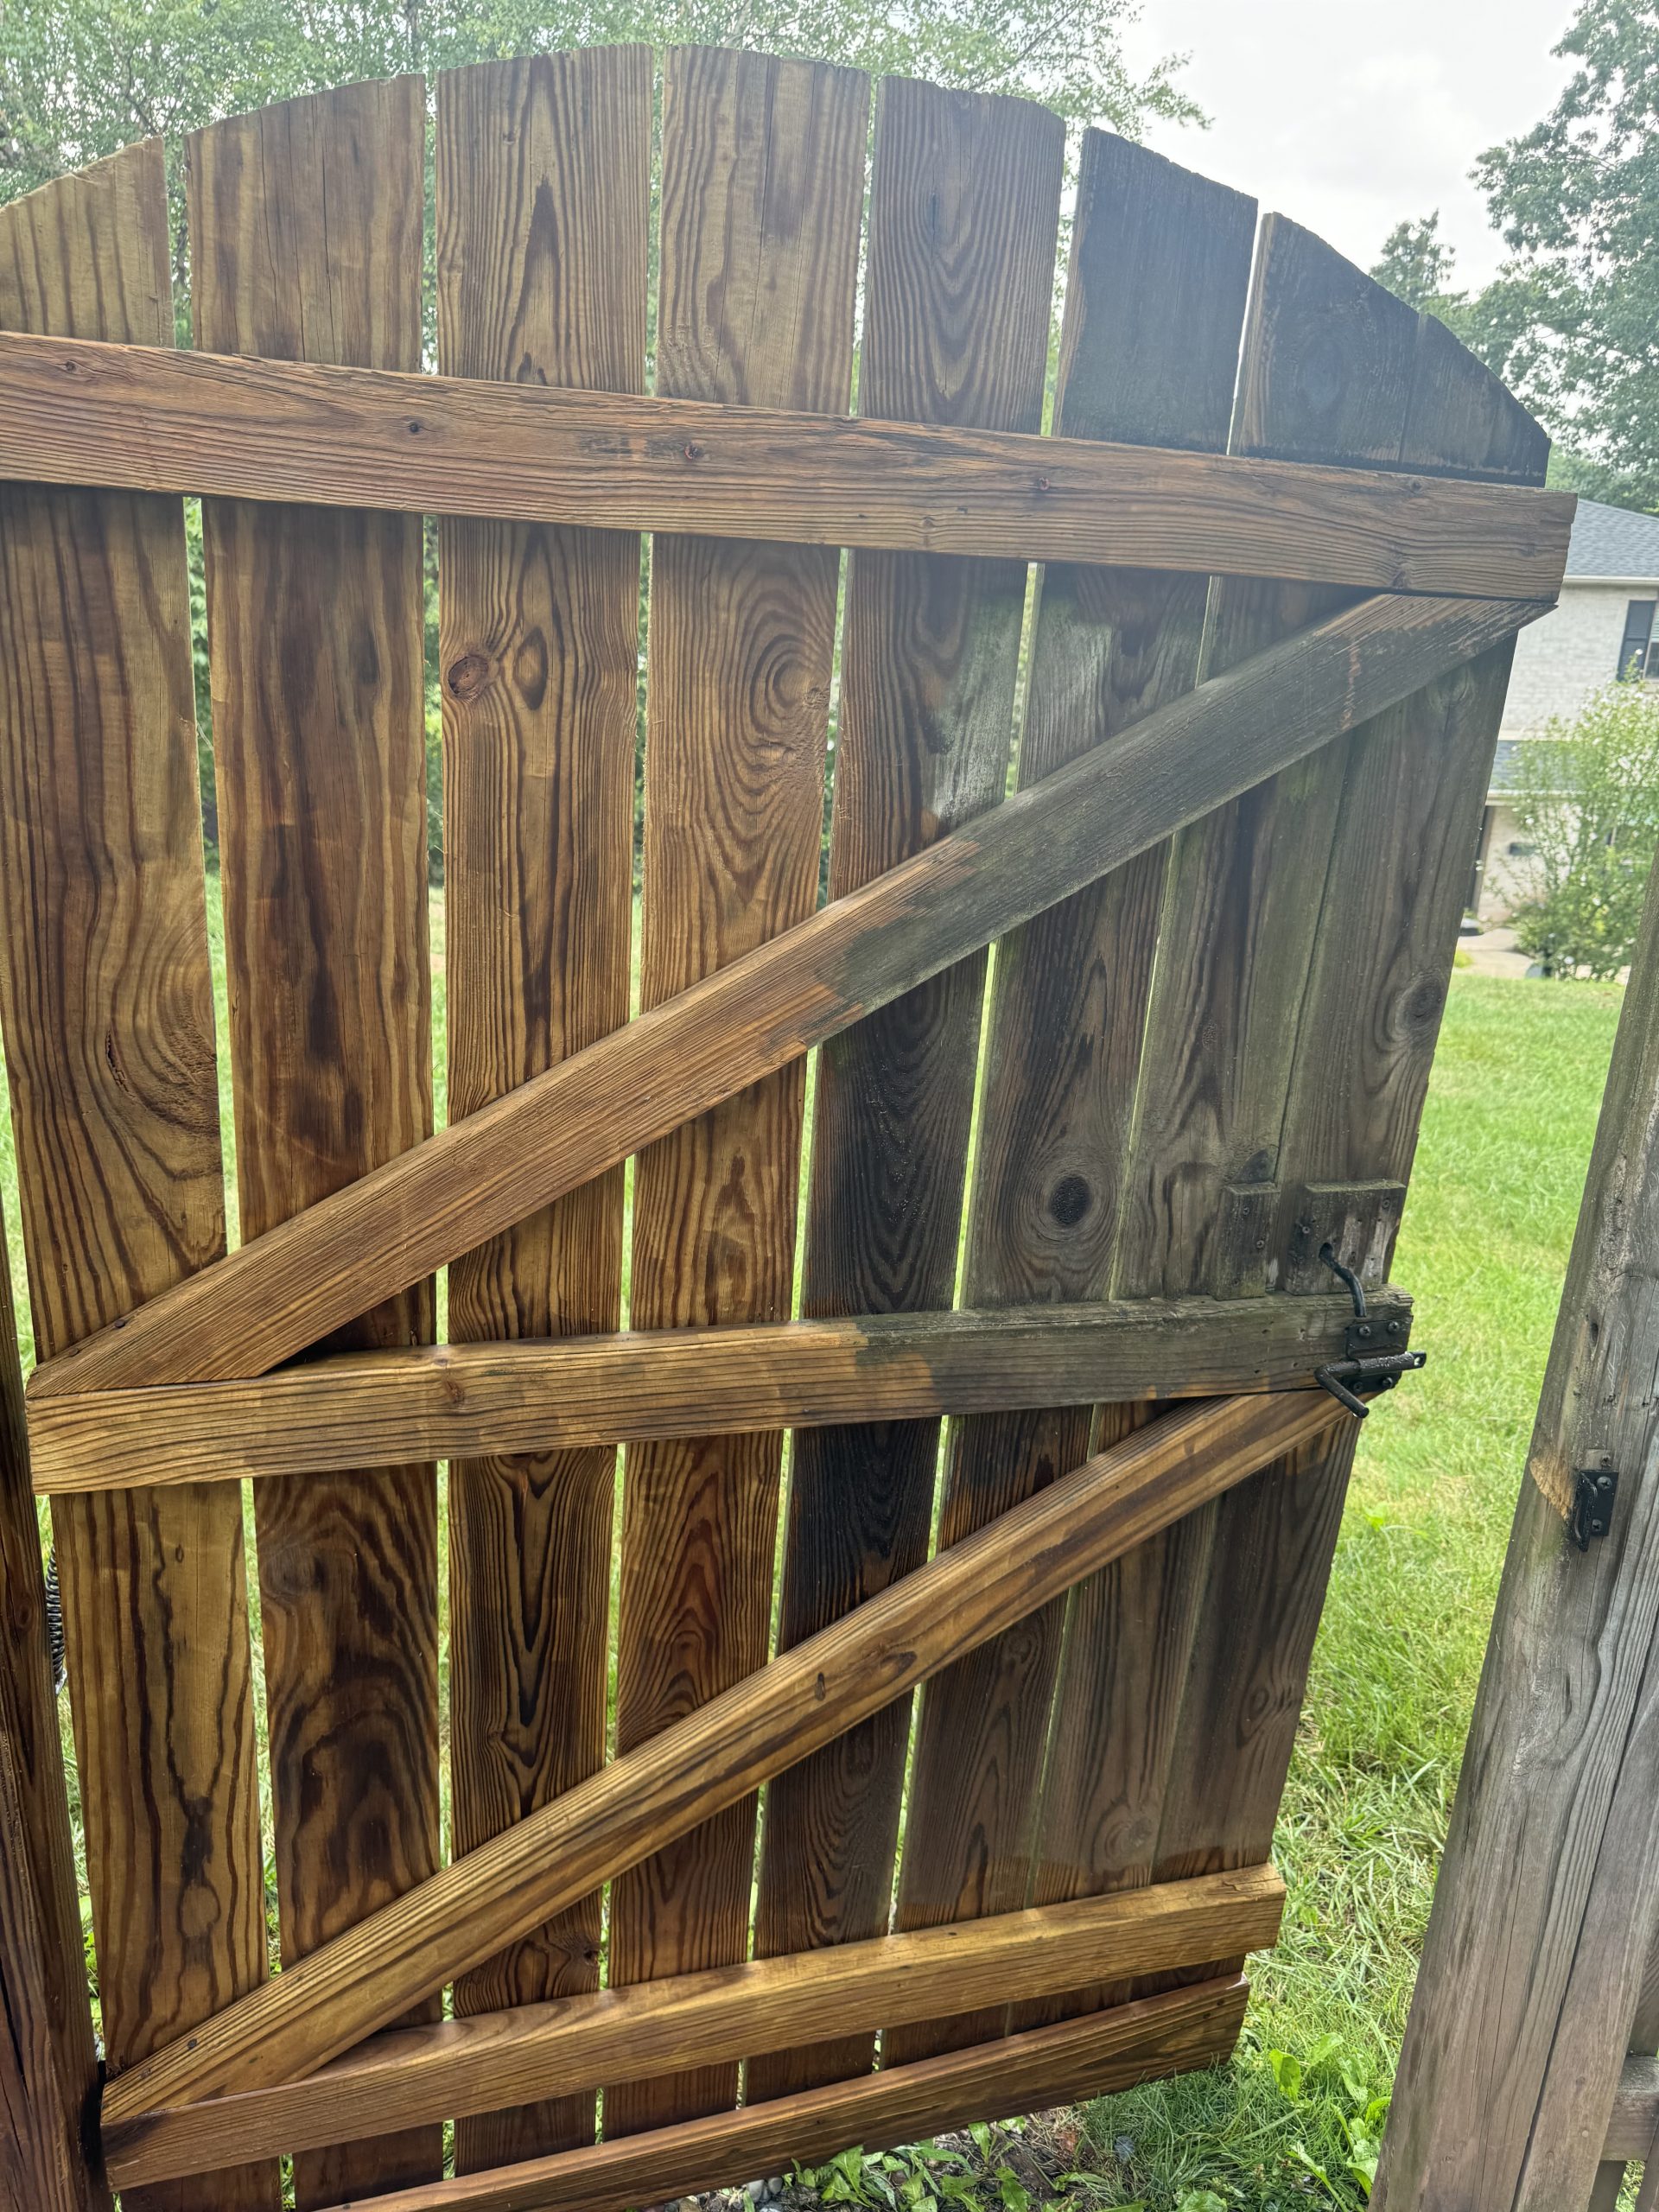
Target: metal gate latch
<point>1372,1363</point>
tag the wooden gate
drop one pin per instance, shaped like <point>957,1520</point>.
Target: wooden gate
<point>1287,530</point>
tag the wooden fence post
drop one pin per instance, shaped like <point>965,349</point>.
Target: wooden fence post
<point>1548,1894</point>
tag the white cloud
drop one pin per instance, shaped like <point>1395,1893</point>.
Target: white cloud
<point>1348,118</point>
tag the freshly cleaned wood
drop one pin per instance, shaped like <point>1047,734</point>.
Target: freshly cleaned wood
<point>476,2065</point>
<point>83,413</point>
<point>453,1401</point>
<point>1546,1912</point>
<point>305,225</point>
<point>39,1831</point>
<point>715,1757</point>
<point>43,2167</point>
<point>1167,2035</point>
<point>542,200</point>
<point>1155,304</point>
<point>762,190</point>
<point>275,1296</point>
<point>106,1002</point>
<point>964,205</point>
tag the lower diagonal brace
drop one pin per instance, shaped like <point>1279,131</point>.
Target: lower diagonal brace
<point>375,1972</point>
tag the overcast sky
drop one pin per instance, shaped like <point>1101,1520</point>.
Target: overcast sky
<point>1349,117</point>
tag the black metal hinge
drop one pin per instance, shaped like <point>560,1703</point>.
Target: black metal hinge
<point>1594,1490</point>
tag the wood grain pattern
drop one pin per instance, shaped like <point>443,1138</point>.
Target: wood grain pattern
<point>722,1751</point>
<point>364,1409</point>
<point>1545,1912</point>
<point>1634,2127</point>
<point>1113,2051</point>
<point>282,1293</point>
<point>482,2063</point>
<point>107,1011</point>
<point>39,1835</point>
<point>1154,306</point>
<point>963,206</point>
<point>763,168</point>
<point>1326,374</point>
<point>544,198</point>
<point>1358,979</point>
<point>306,220</point>
<point>87,414</point>
<point>1633,2130</point>
<point>42,2165</point>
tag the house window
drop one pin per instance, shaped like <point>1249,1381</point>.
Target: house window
<point>1636,653</point>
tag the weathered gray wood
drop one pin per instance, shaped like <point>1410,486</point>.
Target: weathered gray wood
<point>1633,2132</point>
<point>291,1286</point>
<point>1544,1914</point>
<point>1634,2125</point>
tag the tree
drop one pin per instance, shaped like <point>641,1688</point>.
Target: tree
<point>1571,321</point>
<point>1416,262</point>
<point>1588,808</point>
<point>84,77</point>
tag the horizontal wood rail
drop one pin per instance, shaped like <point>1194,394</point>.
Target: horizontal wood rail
<point>447,1402</point>
<point>366,1978</point>
<point>76,411</point>
<point>1633,2131</point>
<point>409,2076</point>
<point>287,1288</point>
<point>1093,2057</point>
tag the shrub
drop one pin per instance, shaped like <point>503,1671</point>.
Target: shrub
<point>1587,803</point>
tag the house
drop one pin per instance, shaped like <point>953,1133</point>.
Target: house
<point>1606,627</point>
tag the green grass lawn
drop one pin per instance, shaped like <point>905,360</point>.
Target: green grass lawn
<point>1293,2120</point>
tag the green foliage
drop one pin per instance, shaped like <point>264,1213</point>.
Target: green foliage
<point>1416,262</point>
<point>1569,321</point>
<point>1587,803</point>
<point>1577,200</point>
<point>83,77</point>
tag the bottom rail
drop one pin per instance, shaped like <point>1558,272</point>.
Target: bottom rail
<point>1105,2051</point>
<point>408,2076</point>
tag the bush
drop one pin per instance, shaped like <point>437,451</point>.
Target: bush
<point>1587,803</point>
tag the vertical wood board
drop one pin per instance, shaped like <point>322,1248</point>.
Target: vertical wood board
<point>963,208</point>
<point>1154,300</point>
<point>543,169</point>
<point>306,220</point>
<point>763,172</point>
<point>107,1009</point>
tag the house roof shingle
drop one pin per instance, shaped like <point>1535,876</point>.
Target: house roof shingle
<point>1613,542</point>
